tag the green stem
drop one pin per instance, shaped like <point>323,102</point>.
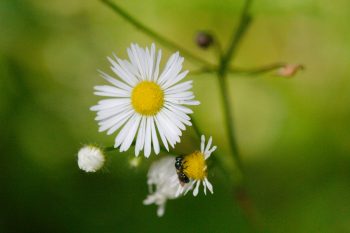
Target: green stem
<point>203,70</point>
<point>245,20</point>
<point>258,70</point>
<point>228,113</point>
<point>166,42</point>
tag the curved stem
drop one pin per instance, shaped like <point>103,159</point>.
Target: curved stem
<point>161,39</point>
<point>258,70</point>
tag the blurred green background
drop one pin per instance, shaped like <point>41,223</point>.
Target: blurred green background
<point>293,134</point>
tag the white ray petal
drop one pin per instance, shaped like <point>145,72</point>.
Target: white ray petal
<point>124,131</point>
<point>156,71</point>
<point>140,141</point>
<point>184,86</point>
<point>119,124</point>
<point>148,138</point>
<point>209,185</point>
<point>175,79</point>
<point>161,133</point>
<point>208,144</point>
<point>202,143</point>
<point>114,81</point>
<point>196,189</point>
<point>122,74</point>
<point>131,134</point>
<point>154,137</point>
<point>110,122</point>
<point>111,112</point>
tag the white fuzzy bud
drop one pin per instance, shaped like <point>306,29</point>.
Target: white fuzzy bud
<point>90,158</point>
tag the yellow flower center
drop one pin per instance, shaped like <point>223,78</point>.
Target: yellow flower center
<point>195,166</point>
<point>147,98</point>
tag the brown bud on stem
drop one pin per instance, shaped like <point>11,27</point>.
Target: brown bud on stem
<point>204,39</point>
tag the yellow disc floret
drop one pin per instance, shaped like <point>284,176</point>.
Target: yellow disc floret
<point>194,166</point>
<point>147,98</point>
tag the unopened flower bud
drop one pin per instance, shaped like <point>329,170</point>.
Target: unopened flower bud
<point>289,70</point>
<point>204,39</point>
<point>90,158</point>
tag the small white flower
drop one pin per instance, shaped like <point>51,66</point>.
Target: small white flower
<point>162,182</point>
<point>145,102</point>
<point>195,168</point>
<point>90,158</point>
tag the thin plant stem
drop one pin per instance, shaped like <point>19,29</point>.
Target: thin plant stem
<point>256,71</point>
<point>203,70</point>
<point>150,32</point>
<point>244,22</point>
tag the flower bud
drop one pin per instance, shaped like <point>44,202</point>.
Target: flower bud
<point>289,70</point>
<point>204,39</point>
<point>90,158</point>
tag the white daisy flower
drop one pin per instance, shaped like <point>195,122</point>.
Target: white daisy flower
<point>90,158</point>
<point>145,102</point>
<point>194,167</point>
<point>162,182</point>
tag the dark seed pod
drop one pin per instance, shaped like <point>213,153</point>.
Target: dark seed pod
<point>204,39</point>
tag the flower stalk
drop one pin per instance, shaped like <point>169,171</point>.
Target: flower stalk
<point>153,34</point>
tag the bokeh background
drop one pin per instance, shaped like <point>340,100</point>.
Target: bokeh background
<point>293,134</point>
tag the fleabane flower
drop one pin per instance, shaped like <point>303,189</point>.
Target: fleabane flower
<point>145,103</point>
<point>90,158</point>
<point>162,182</point>
<point>193,168</point>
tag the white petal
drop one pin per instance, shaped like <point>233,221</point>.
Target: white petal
<point>171,132</point>
<point>174,118</point>
<point>209,185</point>
<point>207,154</point>
<point>161,133</point>
<point>119,124</point>
<point>123,133</point>
<point>109,103</point>
<point>111,122</point>
<point>179,108</point>
<point>154,137</point>
<point>175,80</point>
<point>179,191</point>
<point>190,187</point>
<point>184,86</point>
<point>131,134</point>
<point>122,72</point>
<point>196,189</point>
<point>170,67</point>
<point>112,112</point>
<point>140,141</point>
<point>186,95</point>
<point>115,82</point>
<point>161,210</point>
<point>179,113</point>
<point>208,144</point>
<point>148,138</point>
<point>183,102</point>
<point>202,143</point>
<point>156,72</point>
